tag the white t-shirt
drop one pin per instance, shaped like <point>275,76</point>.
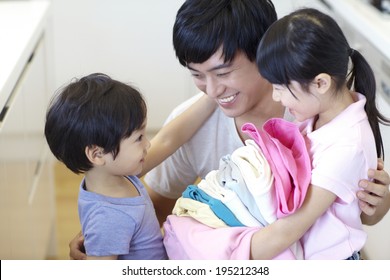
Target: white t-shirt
<point>198,156</point>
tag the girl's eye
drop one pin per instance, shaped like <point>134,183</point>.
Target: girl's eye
<point>140,137</point>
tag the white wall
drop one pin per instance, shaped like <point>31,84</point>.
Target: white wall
<point>130,40</point>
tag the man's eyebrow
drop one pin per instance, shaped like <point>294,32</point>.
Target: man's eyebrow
<point>221,66</point>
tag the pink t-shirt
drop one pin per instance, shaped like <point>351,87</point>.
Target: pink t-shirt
<point>341,153</point>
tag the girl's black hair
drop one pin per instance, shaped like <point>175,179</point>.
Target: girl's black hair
<point>93,110</point>
<point>313,43</point>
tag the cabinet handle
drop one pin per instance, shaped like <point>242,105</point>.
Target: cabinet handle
<point>15,90</point>
<point>37,173</point>
<point>327,4</point>
<point>3,113</point>
<point>386,90</point>
<point>34,185</point>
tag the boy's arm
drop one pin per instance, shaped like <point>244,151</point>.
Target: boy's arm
<point>273,239</point>
<point>177,132</point>
<point>374,200</point>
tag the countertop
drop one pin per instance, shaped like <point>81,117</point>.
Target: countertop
<point>372,24</point>
<point>21,25</point>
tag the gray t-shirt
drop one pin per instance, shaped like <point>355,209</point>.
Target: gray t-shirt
<point>198,156</point>
<point>127,227</point>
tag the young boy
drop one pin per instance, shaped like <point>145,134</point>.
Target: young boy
<point>96,126</point>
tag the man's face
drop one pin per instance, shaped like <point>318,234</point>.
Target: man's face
<point>236,86</point>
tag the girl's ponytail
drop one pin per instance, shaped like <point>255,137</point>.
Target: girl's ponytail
<point>362,78</point>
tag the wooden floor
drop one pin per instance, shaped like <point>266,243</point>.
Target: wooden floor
<point>67,186</point>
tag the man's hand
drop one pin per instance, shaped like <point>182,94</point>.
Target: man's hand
<point>374,199</point>
<point>76,248</point>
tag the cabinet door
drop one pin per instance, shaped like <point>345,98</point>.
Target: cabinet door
<point>27,190</point>
<point>41,188</point>
<point>14,182</point>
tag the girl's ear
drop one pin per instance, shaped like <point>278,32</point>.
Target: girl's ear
<point>322,83</point>
<point>95,154</point>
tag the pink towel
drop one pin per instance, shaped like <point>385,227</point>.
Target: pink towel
<point>187,239</point>
<point>285,150</point>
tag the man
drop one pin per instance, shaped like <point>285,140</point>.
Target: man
<point>217,41</point>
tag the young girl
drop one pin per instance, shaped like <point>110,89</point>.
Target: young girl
<point>96,126</point>
<point>305,56</point>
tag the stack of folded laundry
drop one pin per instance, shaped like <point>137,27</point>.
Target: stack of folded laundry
<point>257,184</point>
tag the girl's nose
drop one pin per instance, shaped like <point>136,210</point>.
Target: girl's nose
<point>276,95</point>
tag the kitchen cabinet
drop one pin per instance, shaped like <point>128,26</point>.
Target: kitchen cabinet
<point>27,209</point>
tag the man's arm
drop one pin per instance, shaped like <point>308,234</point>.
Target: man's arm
<point>374,200</point>
<point>76,248</point>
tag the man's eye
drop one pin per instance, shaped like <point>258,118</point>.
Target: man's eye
<point>223,74</point>
<point>193,74</point>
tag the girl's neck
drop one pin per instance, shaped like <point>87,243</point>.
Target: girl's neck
<point>333,106</point>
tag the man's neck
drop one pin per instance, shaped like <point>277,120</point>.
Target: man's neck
<point>259,117</point>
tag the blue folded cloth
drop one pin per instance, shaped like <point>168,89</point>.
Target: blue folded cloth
<point>217,206</point>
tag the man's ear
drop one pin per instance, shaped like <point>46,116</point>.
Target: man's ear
<point>322,82</point>
<point>95,154</point>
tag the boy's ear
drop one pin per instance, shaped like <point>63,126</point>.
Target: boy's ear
<point>322,82</point>
<point>95,154</point>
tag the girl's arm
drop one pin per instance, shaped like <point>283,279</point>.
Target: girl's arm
<point>177,132</point>
<point>272,240</point>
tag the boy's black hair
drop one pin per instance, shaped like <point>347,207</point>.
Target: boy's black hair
<point>203,26</point>
<point>93,110</point>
